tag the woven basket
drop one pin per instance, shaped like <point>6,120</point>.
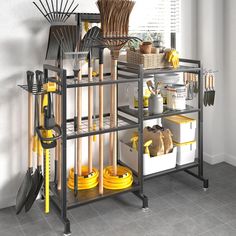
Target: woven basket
<point>155,60</point>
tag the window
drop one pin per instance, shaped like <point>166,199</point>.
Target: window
<point>155,18</point>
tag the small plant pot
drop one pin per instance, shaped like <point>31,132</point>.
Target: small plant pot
<point>146,48</point>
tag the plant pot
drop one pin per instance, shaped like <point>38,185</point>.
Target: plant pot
<point>146,48</point>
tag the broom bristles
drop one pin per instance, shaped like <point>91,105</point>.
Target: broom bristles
<point>115,17</point>
<point>115,23</point>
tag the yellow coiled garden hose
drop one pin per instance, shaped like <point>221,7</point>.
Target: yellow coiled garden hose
<point>86,181</point>
<point>124,178</point>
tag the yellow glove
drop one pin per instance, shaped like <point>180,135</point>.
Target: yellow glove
<point>172,57</point>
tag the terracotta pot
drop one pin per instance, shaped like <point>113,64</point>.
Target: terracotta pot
<point>146,48</point>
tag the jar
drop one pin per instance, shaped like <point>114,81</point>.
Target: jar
<point>155,104</point>
<point>176,97</point>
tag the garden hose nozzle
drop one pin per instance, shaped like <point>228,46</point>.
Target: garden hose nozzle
<point>146,145</point>
<point>134,141</point>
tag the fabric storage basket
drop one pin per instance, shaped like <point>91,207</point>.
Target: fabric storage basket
<point>183,128</point>
<point>149,61</point>
<point>151,165</point>
<point>185,152</point>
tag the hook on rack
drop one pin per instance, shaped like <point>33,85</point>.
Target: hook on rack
<point>210,71</point>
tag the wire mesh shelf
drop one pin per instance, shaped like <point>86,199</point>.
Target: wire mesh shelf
<point>84,130</point>
<point>34,89</point>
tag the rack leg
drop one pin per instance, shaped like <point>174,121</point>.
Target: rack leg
<point>205,181</point>
<point>67,231</point>
<point>143,198</point>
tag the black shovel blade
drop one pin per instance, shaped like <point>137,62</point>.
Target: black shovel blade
<point>23,192</point>
<point>213,97</point>
<point>34,191</point>
<point>205,100</point>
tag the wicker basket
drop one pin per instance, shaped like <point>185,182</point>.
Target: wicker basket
<point>149,61</point>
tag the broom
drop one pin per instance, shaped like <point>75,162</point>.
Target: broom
<point>115,27</point>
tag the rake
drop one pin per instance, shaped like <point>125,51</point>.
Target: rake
<point>56,11</point>
<point>115,27</point>
<point>65,37</point>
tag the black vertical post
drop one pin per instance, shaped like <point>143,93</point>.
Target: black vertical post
<point>63,159</point>
<point>200,122</point>
<point>173,40</point>
<point>79,28</point>
<point>140,120</point>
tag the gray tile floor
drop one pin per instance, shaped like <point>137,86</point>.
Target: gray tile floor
<point>177,207</point>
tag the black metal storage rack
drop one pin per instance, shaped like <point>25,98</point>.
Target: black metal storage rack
<point>65,199</point>
<point>126,70</point>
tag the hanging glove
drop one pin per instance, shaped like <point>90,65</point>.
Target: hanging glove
<point>172,56</point>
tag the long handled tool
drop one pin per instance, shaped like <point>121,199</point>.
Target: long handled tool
<point>115,25</point>
<point>23,192</point>
<point>113,136</point>
<point>101,111</point>
<point>37,176</point>
<point>46,154</point>
<point>79,121</point>
<point>90,115</point>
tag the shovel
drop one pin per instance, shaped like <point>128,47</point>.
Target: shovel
<point>212,85</point>
<point>37,176</point>
<point>24,190</point>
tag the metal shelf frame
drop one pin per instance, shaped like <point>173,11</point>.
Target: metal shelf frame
<point>127,73</point>
<point>127,70</point>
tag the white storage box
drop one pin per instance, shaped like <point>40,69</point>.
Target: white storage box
<point>185,152</point>
<point>183,128</point>
<point>150,164</point>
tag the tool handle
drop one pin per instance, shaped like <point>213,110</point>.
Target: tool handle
<point>39,80</point>
<point>207,81</point>
<point>185,78</point>
<point>90,115</point>
<point>79,117</point>
<point>101,111</point>
<point>30,130</point>
<point>114,115</point>
<point>212,82</point>
<point>30,80</point>
<point>39,147</point>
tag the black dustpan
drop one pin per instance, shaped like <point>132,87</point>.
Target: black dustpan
<point>60,36</point>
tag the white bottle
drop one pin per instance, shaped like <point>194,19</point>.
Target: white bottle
<point>155,104</point>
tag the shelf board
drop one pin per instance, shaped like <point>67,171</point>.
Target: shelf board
<point>148,116</point>
<point>133,68</point>
<point>176,169</point>
<point>172,70</point>
<point>87,196</point>
<point>122,124</point>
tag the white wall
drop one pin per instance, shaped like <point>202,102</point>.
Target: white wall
<point>210,50</point>
<point>229,80</point>
<point>188,39</point>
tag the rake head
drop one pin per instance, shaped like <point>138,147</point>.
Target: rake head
<point>56,11</point>
<point>115,23</point>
